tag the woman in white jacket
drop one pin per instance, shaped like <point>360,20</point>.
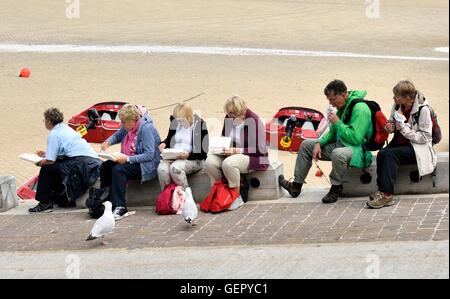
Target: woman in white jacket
<point>411,124</point>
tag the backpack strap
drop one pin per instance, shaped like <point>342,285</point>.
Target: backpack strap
<point>364,150</point>
<point>349,110</point>
<point>417,115</point>
<point>346,120</point>
<point>433,177</point>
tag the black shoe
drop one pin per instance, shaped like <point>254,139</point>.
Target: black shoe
<point>245,187</point>
<point>119,213</point>
<point>333,194</point>
<point>293,188</point>
<point>42,208</point>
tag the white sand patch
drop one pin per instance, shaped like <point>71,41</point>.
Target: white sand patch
<point>158,49</point>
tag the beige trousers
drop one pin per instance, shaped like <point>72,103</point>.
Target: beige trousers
<point>230,166</point>
<point>177,172</point>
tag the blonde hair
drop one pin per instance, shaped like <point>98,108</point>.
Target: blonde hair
<point>235,105</point>
<point>184,110</point>
<point>405,89</point>
<point>129,112</point>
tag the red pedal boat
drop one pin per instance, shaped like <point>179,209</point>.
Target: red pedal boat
<point>98,122</point>
<point>291,125</point>
<point>28,189</point>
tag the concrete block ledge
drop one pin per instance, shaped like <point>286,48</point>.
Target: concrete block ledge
<point>264,186</point>
<point>407,180</point>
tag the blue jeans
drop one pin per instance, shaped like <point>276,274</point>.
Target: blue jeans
<point>116,176</point>
<point>389,160</point>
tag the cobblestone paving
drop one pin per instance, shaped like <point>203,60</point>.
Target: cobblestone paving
<point>412,218</point>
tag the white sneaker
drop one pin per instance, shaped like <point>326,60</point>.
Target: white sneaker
<point>236,204</point>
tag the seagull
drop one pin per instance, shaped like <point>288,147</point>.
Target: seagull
<point>190,210</point>
<point>104,225</point>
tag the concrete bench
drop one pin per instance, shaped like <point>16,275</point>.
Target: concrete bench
<point>263,186</point>
<point>407,180</point>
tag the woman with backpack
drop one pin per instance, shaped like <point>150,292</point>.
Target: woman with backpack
<point>189,134</point>
<point>248,152</point>
<point>412,125</point>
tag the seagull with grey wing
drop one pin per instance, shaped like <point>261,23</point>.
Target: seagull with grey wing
<point>104,225</point>
<point>190,210</point>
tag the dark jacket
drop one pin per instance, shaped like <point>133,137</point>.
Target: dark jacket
<point>254,139</point>
<point>78,174</point>
<point>200,140</point>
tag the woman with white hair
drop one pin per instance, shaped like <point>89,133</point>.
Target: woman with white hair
<point>189,134</point>
<point>248,152</point>
<point>139,160</point>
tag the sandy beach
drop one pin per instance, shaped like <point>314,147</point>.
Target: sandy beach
<point>75,81</point>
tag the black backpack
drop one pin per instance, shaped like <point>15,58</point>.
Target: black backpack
<point>95,201</point>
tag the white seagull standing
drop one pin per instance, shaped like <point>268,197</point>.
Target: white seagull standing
<point>104,225</point>
<point>190,210</point>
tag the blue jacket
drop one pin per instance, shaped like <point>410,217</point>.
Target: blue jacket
<point>147,147</point>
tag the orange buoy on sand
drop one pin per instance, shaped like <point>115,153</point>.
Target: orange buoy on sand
<point>25,73</point>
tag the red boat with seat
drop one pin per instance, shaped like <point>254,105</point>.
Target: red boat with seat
<point>98,122</point>
<point>291,125</point>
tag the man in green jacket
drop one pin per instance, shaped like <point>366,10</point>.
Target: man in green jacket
<point>342,145</point>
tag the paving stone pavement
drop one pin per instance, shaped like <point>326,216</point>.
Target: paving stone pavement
<point>413,218</point>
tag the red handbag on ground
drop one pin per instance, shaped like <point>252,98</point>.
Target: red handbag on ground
<point>164,200</point>
<point>220,198</point>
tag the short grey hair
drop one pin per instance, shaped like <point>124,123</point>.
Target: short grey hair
<point>54,116</point>
<point>129,112</point>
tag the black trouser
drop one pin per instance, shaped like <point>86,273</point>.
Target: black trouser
<point>389,160</point>
<point>49,183</point>
<point>115,176</point>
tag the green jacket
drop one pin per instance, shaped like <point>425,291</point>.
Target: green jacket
<point>356,132</point>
